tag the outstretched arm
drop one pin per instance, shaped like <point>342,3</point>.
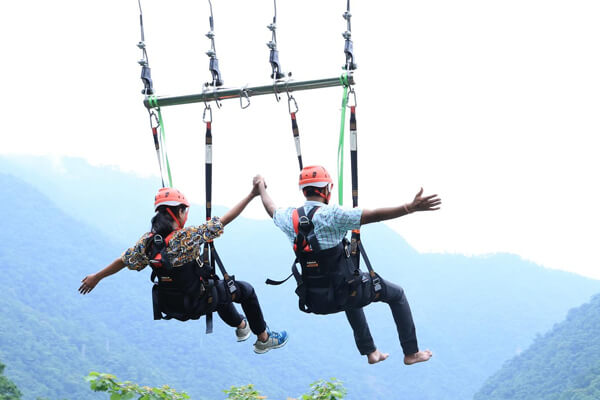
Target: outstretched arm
<point>268,203</point>
<point>90,281</point>
<point>239,207</point>
<point>427,203</point>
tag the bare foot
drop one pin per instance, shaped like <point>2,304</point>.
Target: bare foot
<point>419,356</point>
<point>376,356</point>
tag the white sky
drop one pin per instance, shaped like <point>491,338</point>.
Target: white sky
<point>491,104</point>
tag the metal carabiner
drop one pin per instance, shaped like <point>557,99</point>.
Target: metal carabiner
<point>349,103</point>
<point>154,121</point>
<point>244,94</point>
<point>207,108</point>
<point>290,100</point>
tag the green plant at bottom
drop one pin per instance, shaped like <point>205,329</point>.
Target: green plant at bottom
<point>243,393</point>
<point>8,390</point>
<point>100,382</point>
<point>326,390</point>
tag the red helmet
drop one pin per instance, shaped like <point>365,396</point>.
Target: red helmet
<point>315,176</point>
<point>169,197</point>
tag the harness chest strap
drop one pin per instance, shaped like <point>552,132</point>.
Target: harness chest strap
<point>304,229</point>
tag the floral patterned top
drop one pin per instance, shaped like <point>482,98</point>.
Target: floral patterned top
<point>183,247</point>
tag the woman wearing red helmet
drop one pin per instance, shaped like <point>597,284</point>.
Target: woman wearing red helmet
<point>175,265</point>
<point>318,232</point>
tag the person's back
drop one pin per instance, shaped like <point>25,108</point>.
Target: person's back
<point>331,224</point>
<point>179,290</point>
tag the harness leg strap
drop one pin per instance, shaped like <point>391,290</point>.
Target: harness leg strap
<point>209,322</point>
<point>155,303</point>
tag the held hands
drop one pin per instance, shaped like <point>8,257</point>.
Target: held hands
<point>257,182</point>
<point>89,283</point>
<point>427,203</point>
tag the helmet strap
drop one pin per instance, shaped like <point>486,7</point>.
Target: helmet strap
<point>319,192</point>
<point>325,196</point>
<point>180,226</point>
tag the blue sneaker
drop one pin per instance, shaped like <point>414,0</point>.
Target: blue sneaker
<point>275,341</point>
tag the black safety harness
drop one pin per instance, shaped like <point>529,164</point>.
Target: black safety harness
<point>184,292</point>
<point>329,280</point>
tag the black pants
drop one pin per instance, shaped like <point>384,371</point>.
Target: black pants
<point>245,296</point>
<point>394,296</point>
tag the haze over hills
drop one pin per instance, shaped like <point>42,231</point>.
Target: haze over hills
<point>563,364</point>
<point>473,312</point>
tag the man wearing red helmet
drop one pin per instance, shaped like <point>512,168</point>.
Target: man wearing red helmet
<point>328,225</point>
<point>188,285</point>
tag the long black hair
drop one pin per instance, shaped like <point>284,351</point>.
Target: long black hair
<point>162,222</point>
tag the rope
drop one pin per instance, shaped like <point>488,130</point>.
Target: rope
<point>153,102</point>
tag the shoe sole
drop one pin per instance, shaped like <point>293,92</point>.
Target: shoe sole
<point>263,351</point>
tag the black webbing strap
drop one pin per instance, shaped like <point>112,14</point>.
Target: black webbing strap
<point>211,300</point>
<point>296,133</point>
<point>374,277</point>
<point>206,259</point>
<point>155,303</point>
<point>209,323</point>
<point>354,155</point>
<point>229,279</point>
<point>355,239</point>
<point>356,247</point>
<point>210,255</point>
<point>275,283</point>
<point>208,169</point>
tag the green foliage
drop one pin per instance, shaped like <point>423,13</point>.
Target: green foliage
<point>243,393</point>
<point>8,390</point>
<point>100,382</point>
<point>564,364</point>
<point>326,390</point>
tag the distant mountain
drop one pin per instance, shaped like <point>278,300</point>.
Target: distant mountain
<point>563,364</point>
<point>473,312</point>
<point>101,197</point>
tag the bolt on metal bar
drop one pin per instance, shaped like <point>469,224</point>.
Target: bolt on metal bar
<point>234,93</point>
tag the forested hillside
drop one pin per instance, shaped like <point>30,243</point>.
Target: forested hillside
<point>563,364</point>
<point>473,312</point>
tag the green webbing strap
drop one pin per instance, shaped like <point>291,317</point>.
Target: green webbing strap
<point>153,102</point>
<point>340,155</point>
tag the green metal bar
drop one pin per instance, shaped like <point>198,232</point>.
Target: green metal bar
<point>235,93</point>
